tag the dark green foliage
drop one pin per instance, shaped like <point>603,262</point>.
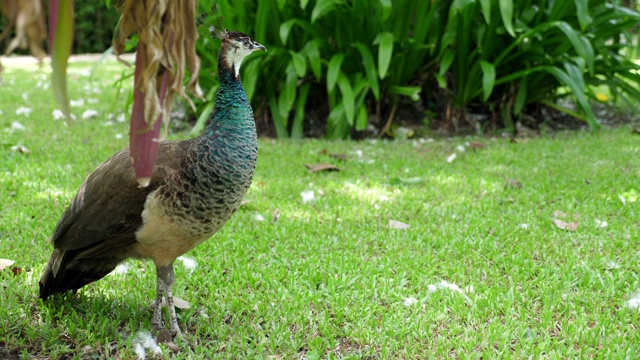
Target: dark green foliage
<point>358,58</point>
<point>94,26</point>
<point>524,52</point>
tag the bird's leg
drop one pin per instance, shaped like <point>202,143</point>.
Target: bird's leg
<point>166,278</point>
<point>156,320</point>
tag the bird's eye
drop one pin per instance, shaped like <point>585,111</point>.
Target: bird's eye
<point>246,42</point>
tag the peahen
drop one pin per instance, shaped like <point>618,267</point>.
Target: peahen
<point>196,187</point>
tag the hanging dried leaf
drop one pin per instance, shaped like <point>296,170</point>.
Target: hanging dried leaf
<point>322,167</point>
<point>167,35</point>
<point>27,16</point>
<point>166,45</point>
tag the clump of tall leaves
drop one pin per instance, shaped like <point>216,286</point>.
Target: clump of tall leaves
<point>349,55</point>
<point>358,57</point>
<point>506,54</point>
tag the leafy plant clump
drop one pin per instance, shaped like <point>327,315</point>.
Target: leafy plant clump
<point>356,61</point>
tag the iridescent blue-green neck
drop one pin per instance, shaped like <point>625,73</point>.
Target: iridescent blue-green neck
<point>232,108</point>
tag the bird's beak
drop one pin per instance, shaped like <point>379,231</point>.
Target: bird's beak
<point>257,46</point>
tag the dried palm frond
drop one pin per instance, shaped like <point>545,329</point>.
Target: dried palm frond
<point>167,35</point>
<point>27,16</point>
<point>166,46</point>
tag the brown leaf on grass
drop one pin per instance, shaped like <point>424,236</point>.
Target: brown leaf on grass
<point>20,149</point>
<point>16,270</point>
<point>475,145</point>
<point>341,157</point>
<point>177,302</point>
<point>559,214</point>
<point>519,140</point>
<point>512,184</point>
<point>572,226</point>
<point>5,263</point>
<point>398,225</point>
<point>164,336</point>
<point>322,167</point>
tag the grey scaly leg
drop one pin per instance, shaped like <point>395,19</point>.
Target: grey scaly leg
<point>166,278</point>
<point>156,320</point>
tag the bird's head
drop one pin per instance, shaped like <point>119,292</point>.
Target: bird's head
<point>235,47</point>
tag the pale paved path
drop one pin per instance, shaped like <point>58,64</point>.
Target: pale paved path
<point>24,59</point>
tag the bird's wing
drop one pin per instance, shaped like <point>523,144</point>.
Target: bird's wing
<point>107,210</point>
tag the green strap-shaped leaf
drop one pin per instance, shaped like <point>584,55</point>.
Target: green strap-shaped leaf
<point>279,122</point>
<point>298,119</point>
<point>506,12</point>
<point>386,8</point>
<point>520,97</point>
<point>313,55</point>
<point>582,7</point>
<point>285,30</point>
<point>299,64</point>
<point>580,45</point>
<point>347,97</point>
<point>251,75</point>
<point>385,51</point>
<point>288,94</point>
<point>412,92</point>
<point>577,88</point>
<point>362,118</point>
<point>322,8</point>
<point>369,68</point>
<point>488,78</point>
<point>445,64</point>
<point>333,70</point>
<point>60,40</point>
<point>486,10</point>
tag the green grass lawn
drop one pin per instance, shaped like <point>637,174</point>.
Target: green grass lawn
<point>481,271</point>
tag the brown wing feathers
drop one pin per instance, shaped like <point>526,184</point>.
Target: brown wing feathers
<point>97,230</point>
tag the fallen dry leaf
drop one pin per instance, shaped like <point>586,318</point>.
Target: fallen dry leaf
<point>5,263</point>
<point>164,336</point>
<point>20,149</point>
<point>512,184</point>
<point>322,167</point>
<point>572,226</point>
<point>177,302</point>
<point>559,214</point>
<point>398,225</point>
<point>475,145</point>
<point>16,270</point>
<point>341,157</point>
